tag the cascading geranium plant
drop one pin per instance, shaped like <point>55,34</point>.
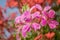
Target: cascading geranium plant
<point>38,25</point>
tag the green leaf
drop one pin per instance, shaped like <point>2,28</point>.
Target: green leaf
<point>25,7</point>
<point>57,36</point>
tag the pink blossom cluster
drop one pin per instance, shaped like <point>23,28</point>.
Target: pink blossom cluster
<point>27,20</point>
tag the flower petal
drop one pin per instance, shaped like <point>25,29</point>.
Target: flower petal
<point>26,28</point>
<point>26,16</point>
<point>51,13</point>
<point>53,24</point>
<point>43,22</point>
<point>17,19</point>
<point>36,15</point>
<point>47,8</point>
<point>38,7</point>
<point>36,26</point>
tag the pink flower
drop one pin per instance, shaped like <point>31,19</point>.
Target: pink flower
<point>25,29</point>
<point>36,26</point>
<point>26,16</point>
<point>47,19</point>
<point>47,8</point>
<point>53,24</point>
<point>43,22</point>
<point>39,7</point>
<point>45,15</point>
<point>36,6</point>
<point>36,15</point>
<point>17,19</point>
<point>51,14</point>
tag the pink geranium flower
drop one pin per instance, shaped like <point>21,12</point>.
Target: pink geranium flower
<point>26,16</point>
<point>17,19</point>
<point>53,24</point>
<point>46,16</point>
<point>25,29</point>
<point>48,19</point>
<point>51,14</point>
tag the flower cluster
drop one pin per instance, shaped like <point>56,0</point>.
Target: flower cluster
<point>28,21</point>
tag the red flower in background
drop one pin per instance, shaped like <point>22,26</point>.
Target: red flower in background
<point>11,3</point>
<point>1,18</point>
<point>49,1</point>
<point>1,22</point>
<point>12,16</point>
<point>1,15</point>
<point>58,2</point>
<point>31,2</point>
<point>38,37</point>
<point>50,35</point>
<point>34,10</point>
<point>39,1</point>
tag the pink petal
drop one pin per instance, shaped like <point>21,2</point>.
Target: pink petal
<point>43,22</point>
<point>26,13</point>
<point>38,7</point>
<point>32,8</point>
<point>51,13</point>
<point>26,16</point>
<point>36,26</point>
<point>36,15</point>
<point>17,19</point>
<point>26,28</point>
<point>45,15</point>
<point>47,8</point>
<point>24,34</point>
<point>53,24</point>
